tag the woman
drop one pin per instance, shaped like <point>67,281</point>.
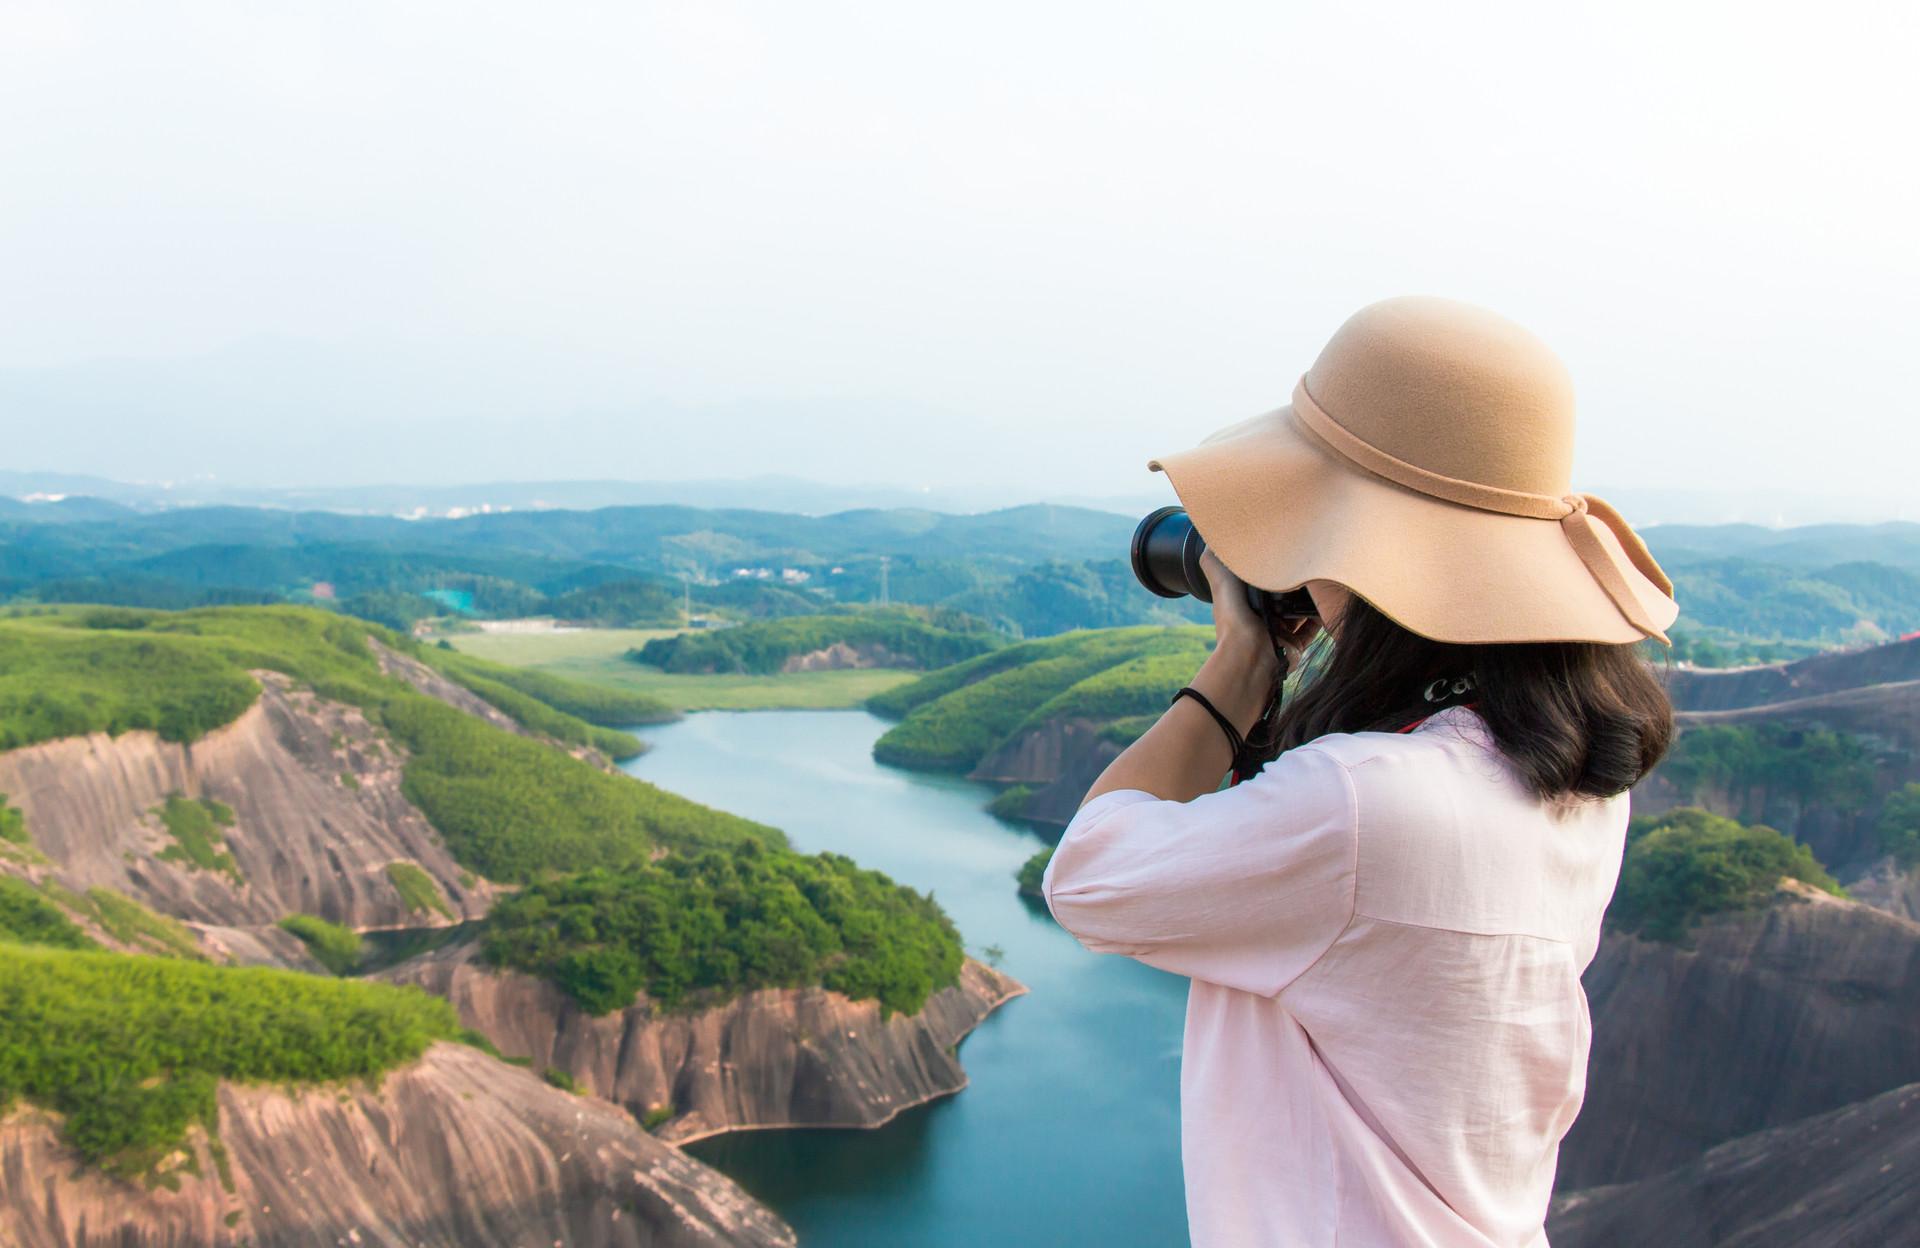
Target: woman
<point>1385,927</point>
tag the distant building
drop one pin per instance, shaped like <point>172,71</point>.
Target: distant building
<point>323,590</point>
<point>793,576</point>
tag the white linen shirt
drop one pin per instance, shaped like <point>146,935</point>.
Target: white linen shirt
<point>1386,1036</point>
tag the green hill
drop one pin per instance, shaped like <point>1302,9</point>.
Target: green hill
<point>955,716</point>
<point>902,637</point>
<point>510,807</point>
<point>691,930</point>
<point>1687,864</point>
<point>130,1049</point>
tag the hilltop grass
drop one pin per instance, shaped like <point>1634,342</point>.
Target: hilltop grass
<point>194,824</point>
<point>417,889</point>
<point>131,1050</point>
<point>335,947</point>
<point>692,930</point>
<point>958,716</point>
<point>1688,863</point>
<point>29,917</point>
<point>1033,872</point>
<point>917,636</point>
<point>13,824</point>
<point>127,921</point>
<point>508,807</point>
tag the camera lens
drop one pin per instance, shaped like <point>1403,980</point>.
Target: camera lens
<point>1166,554</point>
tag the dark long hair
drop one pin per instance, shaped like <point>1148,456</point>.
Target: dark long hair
<point>1574,717</point>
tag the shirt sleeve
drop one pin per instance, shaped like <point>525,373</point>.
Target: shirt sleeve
<point>1244,887</point>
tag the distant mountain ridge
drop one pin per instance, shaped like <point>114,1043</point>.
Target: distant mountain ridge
<point>1746,593</point>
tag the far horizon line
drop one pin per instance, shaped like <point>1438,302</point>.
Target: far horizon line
<point>1651,506</point>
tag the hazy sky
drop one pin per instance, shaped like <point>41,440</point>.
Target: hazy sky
<point>1034,243</point>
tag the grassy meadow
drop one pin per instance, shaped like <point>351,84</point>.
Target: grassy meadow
<point>597,656</point>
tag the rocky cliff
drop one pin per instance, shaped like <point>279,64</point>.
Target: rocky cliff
<point>1769,1016</point>
<point>1871,694</point>
<point>1058,761</point>
<point>1707,689</point>
<point>772,1058</point>
<point>318,817</point>
<point>456,1150</point>
<point>1839,1180</point>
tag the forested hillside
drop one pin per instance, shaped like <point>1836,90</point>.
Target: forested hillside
<point>898,637</point>
<point>955,718</point>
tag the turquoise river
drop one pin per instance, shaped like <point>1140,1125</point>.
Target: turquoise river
<point>1068,1132</point>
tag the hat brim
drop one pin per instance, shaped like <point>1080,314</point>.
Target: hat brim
<point>1280,509</point>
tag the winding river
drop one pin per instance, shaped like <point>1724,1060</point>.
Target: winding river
<point>1068,1132</point>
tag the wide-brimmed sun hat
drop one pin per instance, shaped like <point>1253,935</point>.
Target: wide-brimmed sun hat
<point>1426,464</point>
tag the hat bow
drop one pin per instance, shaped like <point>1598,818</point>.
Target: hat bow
<point>1575,513</point>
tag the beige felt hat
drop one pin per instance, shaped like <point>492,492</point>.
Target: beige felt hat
<point>1425,464</point>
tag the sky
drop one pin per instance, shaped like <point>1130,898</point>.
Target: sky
<point>1019,246</point>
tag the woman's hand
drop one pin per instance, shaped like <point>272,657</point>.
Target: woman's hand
<point>1184,753</point>
<point>1240,631</point>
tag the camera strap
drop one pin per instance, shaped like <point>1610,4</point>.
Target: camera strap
<point>1262,743</point>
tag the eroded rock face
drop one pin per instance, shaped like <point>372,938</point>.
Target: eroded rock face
<point>456,1150</point>
<point>772,1058</point>
<point>1771,1016</point>
<point>1839,1180</point>
<point>318,816</point>
<point>1060,759</point>
<point>1707,689</point>
<point>841,655</point>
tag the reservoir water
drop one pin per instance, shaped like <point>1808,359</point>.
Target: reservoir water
<point>1068,1132</point>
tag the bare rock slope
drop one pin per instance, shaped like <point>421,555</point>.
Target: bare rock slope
<point>1770,1016</point>
<point>773,1058</point>
<point>1838,1180</point>
<point>318,817</point>
<point>455,1150</point>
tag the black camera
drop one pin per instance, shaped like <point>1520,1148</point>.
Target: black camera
<point>1166,558</point>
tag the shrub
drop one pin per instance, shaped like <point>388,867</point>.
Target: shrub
<point>335,947</point>
<point>131,1049</point>
<point>1689,863</point>
<point>417,889</point>
<point>1033,871</point>
<point>13,824</point>
<point>30,918</point>
<point>694,929</point>
<point>1900,825</point>
<point>193,823</point>
<point>1010,802</point>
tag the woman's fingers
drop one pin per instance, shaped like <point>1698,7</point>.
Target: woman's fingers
<point>1234,621</point>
